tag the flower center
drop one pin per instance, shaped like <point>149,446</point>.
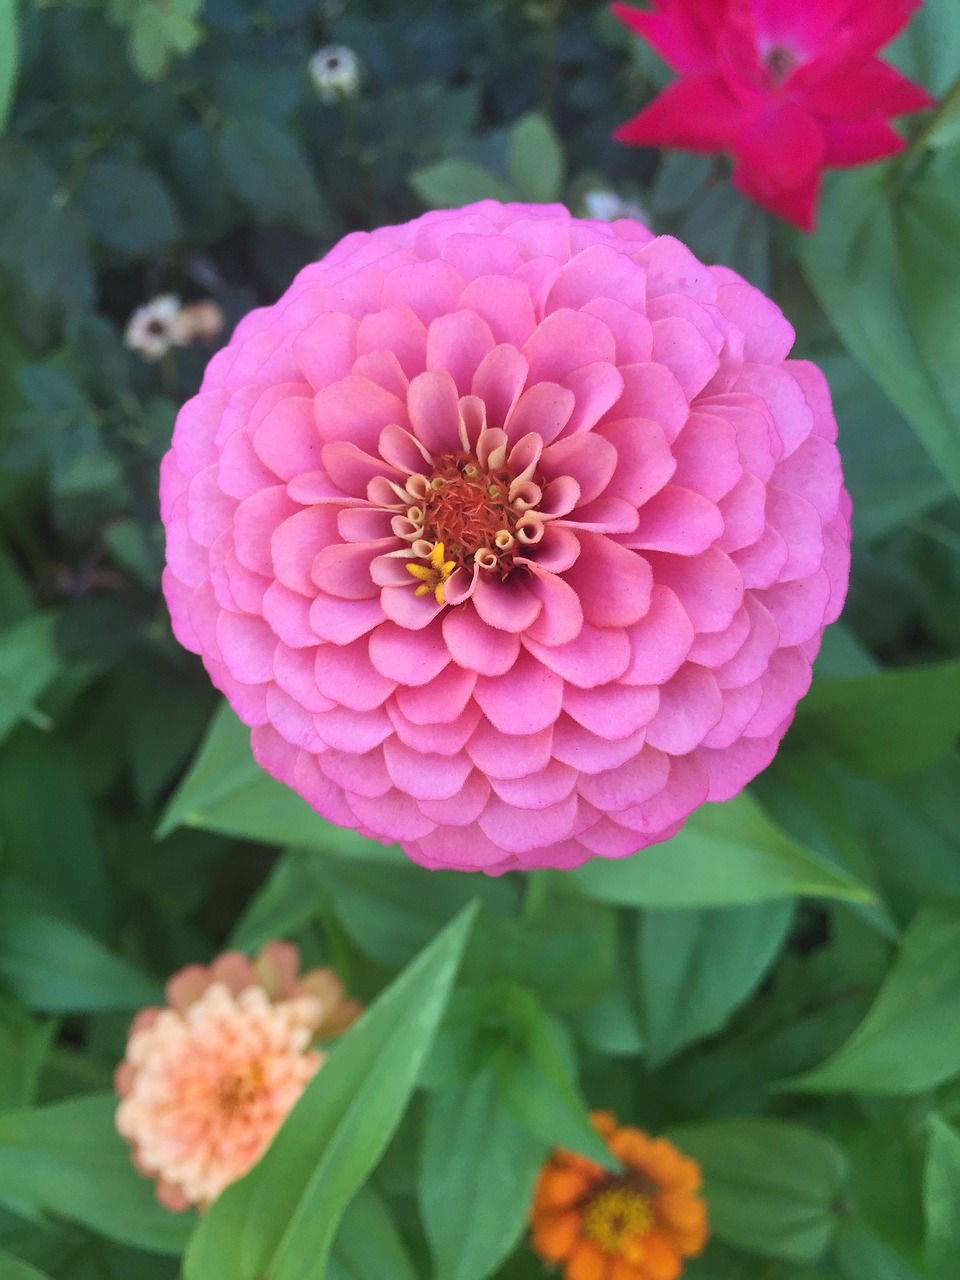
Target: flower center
<point>468,509</point>
<point>237,1091</point>
<point>617,1212</point>
<point>779,62</point>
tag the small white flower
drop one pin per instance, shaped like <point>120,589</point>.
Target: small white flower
<point>152,329</point>
<point>607,206</point>
<point>335,71</point>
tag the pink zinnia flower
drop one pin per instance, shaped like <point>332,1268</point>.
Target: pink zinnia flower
<point>207,1082</point>
<point>511,535</point>
<point>789,88</point>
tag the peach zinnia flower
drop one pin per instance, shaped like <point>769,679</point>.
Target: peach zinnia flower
<point>638,1225</point>
<point>207,1082</point>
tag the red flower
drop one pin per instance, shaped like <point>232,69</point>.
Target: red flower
<point>790,87</point>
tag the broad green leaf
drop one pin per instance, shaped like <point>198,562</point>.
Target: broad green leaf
<point>853,265</point>
<point>928,49</point>
<point>129,208</point>
<point>888,723</point>
<point>24,1042</point>
<point>227,791</point>
<point>891,477</point>
<point>12,1268</point>
<point>68,1160</point>
<point>861,1255</point>
<point>535,159</point>
<point>535,1077</point>
<point>288,898</point>
<point>448,184</point>
<point>269,170</point>
<point>35,833</point>
<point>910,1038</point>
<point>390,912</point>
<point>477,1170</point>
<point>941,1200</point>
<point>9,56</point>
<point>52,965</point>
<point>281,1217</point>
<point>611,1026</point>
<point>771,1187</point>
<point>695,967</point>
<point>563,946</point>
<point>368,1245</point>
<point>28,662</point>
<point>727,854</point>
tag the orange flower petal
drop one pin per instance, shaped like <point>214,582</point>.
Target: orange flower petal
<point>660,1260</point>
<point>622,1269</point>
<point>554,1235</point>
<point>605,1123</point>
<point>679,1211</point>
<point>588,1262</point>
<point>560,1188</point>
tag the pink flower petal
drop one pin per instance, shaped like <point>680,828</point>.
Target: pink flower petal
<point>519,830</point>
<point>523,701</point>
<point>343,568</point>
<point>597,656</point>
<point>505,305</point>
<point>708,586</point>
<point>343,621</point>
<point>398,330</point>
<point>499,382</point>
<point>588,752</point>
<point>326,349</point>
<point>537,790</point>
<point>690,705</point>
<point>345,674</point>
<point>354,731</point>
<point>566,340</point>
<point>612,711</point>
<point>677,520</point>
<point>545,407</point>
<point>433,404</point>
<point>457,343</point>
<point>509,755</point>
<point>409,658</point>
<point>629,784</point>
<point>440,701</point>
<point>464,808</point>
<point>423,775</point>
<point>509,605</point>
<point>356,410</point>
<point>661,641</point>
<point>477,647</point>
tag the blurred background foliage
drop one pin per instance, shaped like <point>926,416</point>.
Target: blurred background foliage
<point>778,988</point>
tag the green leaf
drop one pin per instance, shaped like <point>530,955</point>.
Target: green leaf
<point>535,159</point>
<point>535,1077</point>
<point>888,723</point>
<point>368,1245</point>
<point>269,170</point>
<point>130,209</point>
<point>54,966</point>
<point>36,833</point>
<point>289,898</point>
<point>854,266</point>
<point>695,967</point>
<point>227,791</point>
<point>282,1216</point>
<point>861,1255</point>
<point>28,662</point>
<point>910,1038</point>
<point>727,854</point>
<point>941,1200</point>
<point>24,1042</point>
<point>477,1170</point>
<point>68,1159</point>
<point>9,57</point>
<point>891,477</point>
<point>12,1268</point>
<point>771,1187</point>
<point>43,238</point>
<point>448,184</point>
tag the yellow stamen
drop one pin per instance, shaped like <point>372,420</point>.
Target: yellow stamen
<point>433,577</point>
<point>617,1212</point>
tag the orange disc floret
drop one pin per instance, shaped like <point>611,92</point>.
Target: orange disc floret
<point>639,1224</point>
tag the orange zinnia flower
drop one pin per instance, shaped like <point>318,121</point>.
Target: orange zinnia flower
<point>635,1225</point>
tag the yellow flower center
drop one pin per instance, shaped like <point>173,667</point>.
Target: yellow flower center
<point>432,576</point>
<point>617,1212</point>
<point>236,1092</point>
